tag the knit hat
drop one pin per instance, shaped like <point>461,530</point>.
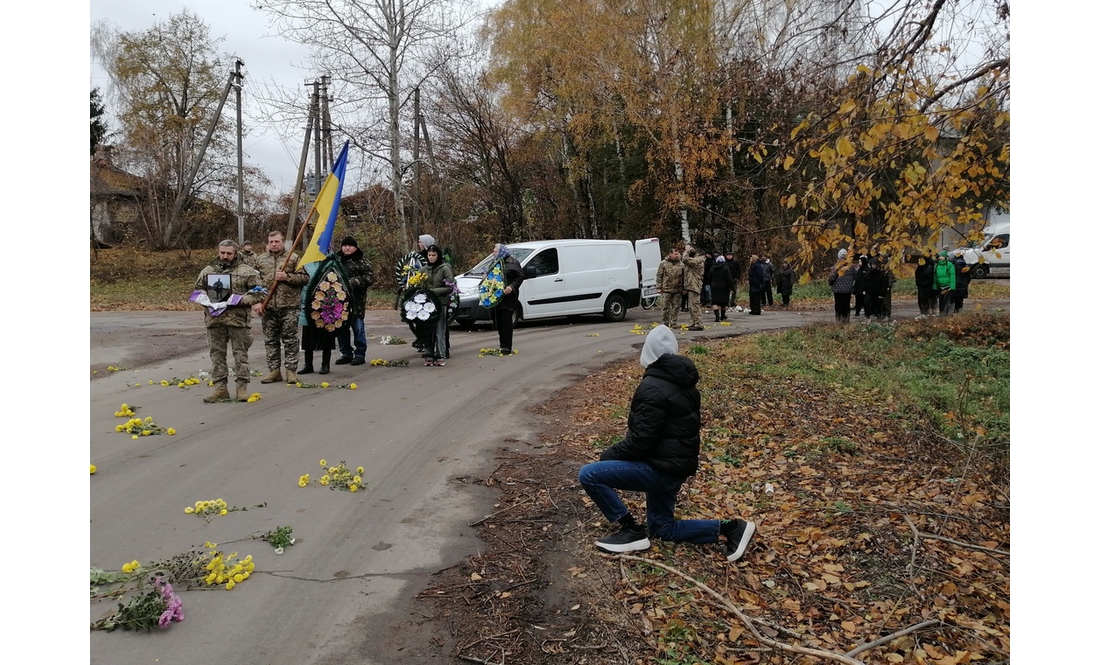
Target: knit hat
<point>658,342</point>
<point>842,254</point>
<point>718,260</point>
<point>427,240</point>
<point>349,241</point>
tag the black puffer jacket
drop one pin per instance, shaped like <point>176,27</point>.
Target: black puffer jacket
<point>663,426</point>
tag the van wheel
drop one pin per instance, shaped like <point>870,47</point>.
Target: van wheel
<point>615,308</point>
<point>979,271</point>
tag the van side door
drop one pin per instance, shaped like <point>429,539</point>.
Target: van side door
<point>540,293</point>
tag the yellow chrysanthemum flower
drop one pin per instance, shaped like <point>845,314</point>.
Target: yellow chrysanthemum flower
<point>164,383</point>
<point>353,488</point>
<point>301,483</point>
<point>223,512</point>
<point>188,511</point>
<point>324,463</point>
<point>353,387</point>
<point>145,432</point>
<point>324,384</point>
<point>93,468</point>
<point>171,431</point>
<point>238,578</point>
<point>229,585</point>
<point>357,480</point>
<point>134,437</point>
<point>359,470</point>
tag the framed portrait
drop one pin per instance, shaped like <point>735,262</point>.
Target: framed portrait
<point>219,286</point>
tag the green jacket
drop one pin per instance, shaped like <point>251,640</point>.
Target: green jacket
<point>289,293</point>
<point>944,276</point>
<point>670,276</point>
<point>436,275</point>
<point>243,280</point>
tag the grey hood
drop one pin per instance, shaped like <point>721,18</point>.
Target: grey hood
<point>658,342</point>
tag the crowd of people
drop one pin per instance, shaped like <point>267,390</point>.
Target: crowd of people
<point>942,282</point>
<point>690,280</point>
<point>319,307</point>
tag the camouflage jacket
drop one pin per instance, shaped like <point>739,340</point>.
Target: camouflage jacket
<point>670,276</point>
<point>693,272</point>
<point>242,280</point>
<point>289,292</point>
<point>360,277</point>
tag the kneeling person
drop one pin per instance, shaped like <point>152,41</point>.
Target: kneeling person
<point>659,452</point>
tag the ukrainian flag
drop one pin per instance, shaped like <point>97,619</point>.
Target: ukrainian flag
<point>327,205</point>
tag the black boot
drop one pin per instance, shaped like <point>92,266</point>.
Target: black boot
<point>326,356</point>
<point>716,316</point>
<point>307,356</point>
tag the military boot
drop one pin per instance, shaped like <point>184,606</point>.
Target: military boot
<point>273,377</point>
<point>242,392</point>
<point>220,393</point>
<point>291,377</point>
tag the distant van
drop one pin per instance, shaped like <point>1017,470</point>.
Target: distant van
<point>569,278</point>
<point>990,258</point>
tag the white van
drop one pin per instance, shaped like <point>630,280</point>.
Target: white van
<point>569,278</point>
<point>990,258</point>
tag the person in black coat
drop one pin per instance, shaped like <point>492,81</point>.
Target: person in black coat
<point>735,270</point>
<point>659,452</point>
<point>924,276</point>
<point>721,285</point>
<point>785,283</point>
<point>860,288</point>
<point>758,282</point>
<point>962,280</point>
<point>875,284</point>
<point>505,311</point>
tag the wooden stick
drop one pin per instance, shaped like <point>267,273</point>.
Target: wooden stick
<point>892,636</point>
<point>916,542</point>
<point>962,544</point>
<point>748,623</point>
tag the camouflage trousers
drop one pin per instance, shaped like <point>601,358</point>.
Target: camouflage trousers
<point>695,309</point>
<point>219,337</point>
<point>671,310</point>
<point>280,328</point>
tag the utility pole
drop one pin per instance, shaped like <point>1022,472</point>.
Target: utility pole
<point>298,182</point>
<point>317,140</point>
<point>326,120</point>
<point>438,178</point>
<point>240,155</point>
<point>416,163</point>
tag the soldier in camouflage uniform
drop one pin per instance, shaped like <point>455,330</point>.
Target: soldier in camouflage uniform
<point>280,317</point>
<point>694,262</point>
<point>670,284</point>
<point>231,287</point>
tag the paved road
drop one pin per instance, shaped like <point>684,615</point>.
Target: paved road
<point>418,431</point>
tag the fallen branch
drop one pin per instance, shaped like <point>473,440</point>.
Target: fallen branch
<point>748,623</point>
<point>916,542</point>
<point>502,510</point>
<point>962,544</point>
<point>892,636</point>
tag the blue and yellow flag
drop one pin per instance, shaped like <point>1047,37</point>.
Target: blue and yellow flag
<point>327,205</point>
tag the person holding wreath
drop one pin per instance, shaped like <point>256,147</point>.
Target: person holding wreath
<point>440,278</point>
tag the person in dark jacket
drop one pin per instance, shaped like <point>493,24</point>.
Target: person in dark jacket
<point>962,280</point>
<point>735,270</point>
<point>924,275</point>
<point>360,277</point>
<point>842,280</point>
<point>504,313</point>
<point>769,280</point>
<point>758,282</point>
<point>721,284</point>
<point>875,284</point>
<point>860,288</point>
<point>659,452</point>
<point>785,283</point>
<point>440,278</point>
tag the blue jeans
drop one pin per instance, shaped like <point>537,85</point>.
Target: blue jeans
<point>343,338</point>
<point>601,479</point>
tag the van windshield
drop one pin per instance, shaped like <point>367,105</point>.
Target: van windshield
<point>481,268</point>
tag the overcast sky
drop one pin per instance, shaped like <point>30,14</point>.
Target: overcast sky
<point>246,35</point>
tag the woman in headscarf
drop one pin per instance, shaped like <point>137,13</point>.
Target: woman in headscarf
<point>504,313</point>
<point>721,284</point>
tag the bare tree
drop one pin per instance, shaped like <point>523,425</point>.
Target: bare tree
<point>376,52</point>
